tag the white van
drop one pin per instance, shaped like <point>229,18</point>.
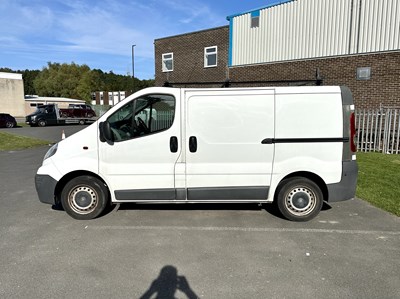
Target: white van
<point>290,145</point>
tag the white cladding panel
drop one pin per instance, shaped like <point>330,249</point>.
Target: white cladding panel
<point>316,28</point>
<point>380,26</point>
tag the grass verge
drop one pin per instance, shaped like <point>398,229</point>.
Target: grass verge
<point>10,142</point>
<point>379,180</point>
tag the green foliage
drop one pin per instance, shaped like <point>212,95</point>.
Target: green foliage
<point>29,76</point>
<point>75,81</point>
<point>379,180</point>
<point>64,80</point>
<point>114,82</point>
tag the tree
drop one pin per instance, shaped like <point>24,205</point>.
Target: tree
<point>64,80</point>
<point>75,81</point>
<point>29,76</point>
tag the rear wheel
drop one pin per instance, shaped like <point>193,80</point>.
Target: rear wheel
<point>299,199</point>
<point>84,197</point>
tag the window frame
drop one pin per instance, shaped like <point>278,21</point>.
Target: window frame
<point>206,54</point>
<point>163,64</point>
<point>135,113</point>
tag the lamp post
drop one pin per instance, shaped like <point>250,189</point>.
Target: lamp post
<point>133,68</point>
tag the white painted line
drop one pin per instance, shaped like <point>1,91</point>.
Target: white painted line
<point>246,229</point>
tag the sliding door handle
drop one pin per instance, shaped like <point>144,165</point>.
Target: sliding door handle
<point>193,144</point>
<point>173,144</point>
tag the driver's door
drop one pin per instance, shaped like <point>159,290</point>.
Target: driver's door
<point>140,163</point>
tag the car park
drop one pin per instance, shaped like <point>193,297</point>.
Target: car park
<point>7,121</point>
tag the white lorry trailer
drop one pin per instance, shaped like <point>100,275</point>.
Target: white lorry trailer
<point>290,145</point>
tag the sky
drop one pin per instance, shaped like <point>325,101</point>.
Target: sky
<point>101,33</point>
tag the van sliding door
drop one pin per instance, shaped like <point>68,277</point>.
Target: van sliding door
<point>225,157</point>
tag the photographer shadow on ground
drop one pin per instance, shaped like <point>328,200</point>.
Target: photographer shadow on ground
<point>167,284</point>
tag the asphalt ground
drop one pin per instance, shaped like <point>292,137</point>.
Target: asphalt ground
<point>351,250</point>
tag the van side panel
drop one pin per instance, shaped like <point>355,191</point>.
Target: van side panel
<point>308,133</point>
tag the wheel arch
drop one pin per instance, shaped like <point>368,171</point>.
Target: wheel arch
<point>66,178</point>
<point>312,177</point>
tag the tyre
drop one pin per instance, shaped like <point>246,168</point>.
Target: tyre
<point>9,124</point>
<point>84,197</point>
<point>299,199</point>
<point>42,123</point>
<point>81,121</point>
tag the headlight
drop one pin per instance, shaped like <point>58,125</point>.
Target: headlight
<point>51,151</point>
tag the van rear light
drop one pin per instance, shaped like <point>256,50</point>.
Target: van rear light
<point>353,145</point>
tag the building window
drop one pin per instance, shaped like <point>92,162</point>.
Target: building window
<point>33,104</point>
<point>168,62</point>
<point>363,73</point>
<point>255,19</point>
<point>210,56</point>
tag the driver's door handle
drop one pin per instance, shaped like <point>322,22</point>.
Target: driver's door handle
<point>173,144</point>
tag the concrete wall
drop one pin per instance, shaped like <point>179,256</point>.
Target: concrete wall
<point>12,94</point>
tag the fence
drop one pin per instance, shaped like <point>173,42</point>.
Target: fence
<point>378,130</point>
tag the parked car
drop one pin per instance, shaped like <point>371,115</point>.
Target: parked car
<point>7,121</point>
<point>78,110</point>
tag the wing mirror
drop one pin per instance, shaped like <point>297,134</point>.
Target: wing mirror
<point>106,134</point>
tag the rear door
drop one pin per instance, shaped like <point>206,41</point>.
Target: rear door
<point>226,158</point>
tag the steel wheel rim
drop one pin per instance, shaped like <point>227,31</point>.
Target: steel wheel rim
<point>9,124</point>
<point>300,201</point>
<point>83,199</point>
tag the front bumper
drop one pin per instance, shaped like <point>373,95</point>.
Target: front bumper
<point>45,188</point>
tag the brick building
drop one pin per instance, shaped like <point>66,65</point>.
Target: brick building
<point>353,43</point>
<point>187,57</point>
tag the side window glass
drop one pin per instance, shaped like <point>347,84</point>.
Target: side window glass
<point>143,116</point>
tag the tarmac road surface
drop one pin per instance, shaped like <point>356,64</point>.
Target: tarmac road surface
<point>351,250</point>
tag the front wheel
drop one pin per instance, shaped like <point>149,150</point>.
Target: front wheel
<point>41,123</point>
<point>299,199</point>
<point>84,197</point>
<point>9,124</point>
